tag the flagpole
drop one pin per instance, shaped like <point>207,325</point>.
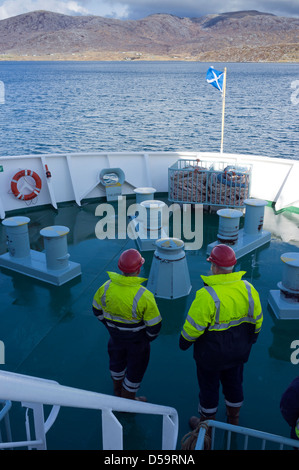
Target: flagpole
<point>223,109</point>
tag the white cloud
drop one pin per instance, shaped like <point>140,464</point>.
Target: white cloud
<point>16,7</point>
<point>107,8</point>
<point>75,7</point>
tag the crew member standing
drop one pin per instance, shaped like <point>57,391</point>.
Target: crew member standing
<point>223,322</point>
<point>130,313</point>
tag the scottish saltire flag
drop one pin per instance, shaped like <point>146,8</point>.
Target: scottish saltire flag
<point>215,78</point>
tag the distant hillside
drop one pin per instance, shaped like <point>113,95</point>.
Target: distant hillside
<point>235,36</point>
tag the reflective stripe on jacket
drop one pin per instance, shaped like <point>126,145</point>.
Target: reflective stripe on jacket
<point>224,320</point>
<point>126,306</point>
<point>225,301</point>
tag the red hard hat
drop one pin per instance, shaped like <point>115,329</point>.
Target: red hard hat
<point>223,256</point>
<point>130,261</point>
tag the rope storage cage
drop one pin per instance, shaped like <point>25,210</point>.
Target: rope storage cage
<point>213,184</point>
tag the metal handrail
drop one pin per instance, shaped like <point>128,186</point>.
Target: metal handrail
<point>6,407</point>
<point>264,437</point>
<point>22,388</point>
<point>4,415</point>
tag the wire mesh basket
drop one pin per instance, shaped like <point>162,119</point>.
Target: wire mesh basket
<point>219,184</point>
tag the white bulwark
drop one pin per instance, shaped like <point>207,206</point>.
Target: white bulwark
<point>74,177</point>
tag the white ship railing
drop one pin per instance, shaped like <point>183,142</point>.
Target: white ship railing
<point>76,176</point>
<point>260,438</point>
<point>4,416</point>
<point>34,392</point>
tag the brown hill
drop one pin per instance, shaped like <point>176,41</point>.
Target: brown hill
<point>235,36</point>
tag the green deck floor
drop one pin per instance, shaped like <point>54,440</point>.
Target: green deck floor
<point>50,332</point>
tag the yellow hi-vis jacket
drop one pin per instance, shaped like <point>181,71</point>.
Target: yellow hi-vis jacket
<point>223,321</point>
<point>127,309</point>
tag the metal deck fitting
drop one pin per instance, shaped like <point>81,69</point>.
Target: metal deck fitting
<point>53,266</point>
<point>252,236</point>
<point>285,301</point>
<point>169,275</point>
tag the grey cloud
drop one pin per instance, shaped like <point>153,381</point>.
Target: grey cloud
<point>196,8</point>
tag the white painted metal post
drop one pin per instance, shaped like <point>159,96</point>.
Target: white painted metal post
<point>112,431</point>
<point>39,426</point>
<point>169,432</point>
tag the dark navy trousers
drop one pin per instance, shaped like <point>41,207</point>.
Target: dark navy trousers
<point>128,361</point>
<point>209,384</point>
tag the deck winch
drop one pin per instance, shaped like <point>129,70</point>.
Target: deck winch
<point>285,301</point>
<point>250,237</point>
<point>53,266</point>
<point>169,275</point>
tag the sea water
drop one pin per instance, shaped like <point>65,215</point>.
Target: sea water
<point>54,107</point>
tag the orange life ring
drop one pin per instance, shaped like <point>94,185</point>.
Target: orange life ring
<point>34,193</point>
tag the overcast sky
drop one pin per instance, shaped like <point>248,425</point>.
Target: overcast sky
<point>135,9</point>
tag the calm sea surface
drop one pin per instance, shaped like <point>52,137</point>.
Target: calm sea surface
<point>147,106</point>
